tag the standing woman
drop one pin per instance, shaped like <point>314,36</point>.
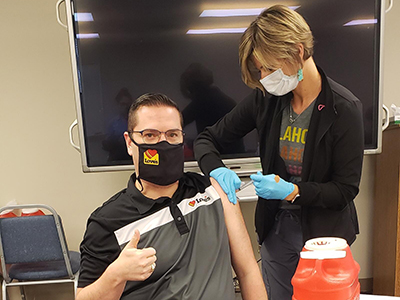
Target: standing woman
<point>311,145</point>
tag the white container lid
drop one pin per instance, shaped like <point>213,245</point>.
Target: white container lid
<point>323,254</point>
<point>326,243</point>
<point>324,248</point>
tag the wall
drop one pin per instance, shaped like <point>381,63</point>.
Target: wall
<point>362,248</point>
<point>37,163</point>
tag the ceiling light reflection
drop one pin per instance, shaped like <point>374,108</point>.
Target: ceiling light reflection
<point>87,36</point>
<point>235,12</point>
<point>361,22</point>
<point>216,30</point>
<point>83,17</point>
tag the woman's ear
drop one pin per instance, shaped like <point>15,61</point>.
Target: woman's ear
<point>300,46</point>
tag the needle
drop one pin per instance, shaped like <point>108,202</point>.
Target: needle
<point>246,185</point>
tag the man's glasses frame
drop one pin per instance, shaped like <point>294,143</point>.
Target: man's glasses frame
<point>153,136</point>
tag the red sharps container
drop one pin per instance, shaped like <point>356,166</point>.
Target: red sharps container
<point>26,212</point>
<point>327,271</point>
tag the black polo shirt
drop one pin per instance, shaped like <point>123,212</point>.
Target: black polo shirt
<point>188,232</point>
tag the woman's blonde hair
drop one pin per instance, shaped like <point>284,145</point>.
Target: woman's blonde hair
<point>274,36</point>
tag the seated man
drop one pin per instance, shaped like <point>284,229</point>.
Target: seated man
<point>164,236</point>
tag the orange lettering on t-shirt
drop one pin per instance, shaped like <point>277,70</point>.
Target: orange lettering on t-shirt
<point>284,152</point>
<point>293,154</point>
<point>301,155</point>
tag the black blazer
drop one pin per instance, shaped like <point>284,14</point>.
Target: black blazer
<point>332,159</point>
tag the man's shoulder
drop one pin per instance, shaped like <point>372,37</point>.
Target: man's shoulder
<point>196,180</point>
<point>196,186</point>
<point>112,205</point>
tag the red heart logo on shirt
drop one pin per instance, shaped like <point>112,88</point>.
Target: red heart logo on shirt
<point>192,203</point>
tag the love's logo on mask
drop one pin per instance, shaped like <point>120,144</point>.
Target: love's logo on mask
<point>150,157</point>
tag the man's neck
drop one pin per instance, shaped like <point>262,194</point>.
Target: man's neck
<point>155,191</point>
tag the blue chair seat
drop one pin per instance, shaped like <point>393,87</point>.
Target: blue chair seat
<point>44,270</point>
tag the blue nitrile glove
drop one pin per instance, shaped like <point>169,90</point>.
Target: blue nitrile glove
<point>267,187</point>
<point>228,180</point>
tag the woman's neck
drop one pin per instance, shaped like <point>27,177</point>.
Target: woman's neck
<point>308,89</point>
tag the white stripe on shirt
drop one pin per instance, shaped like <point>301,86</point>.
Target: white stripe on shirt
<point>163,216</point>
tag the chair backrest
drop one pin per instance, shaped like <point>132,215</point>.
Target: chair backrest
<point>30,239</point>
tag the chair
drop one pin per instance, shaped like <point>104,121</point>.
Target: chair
<point>34,251</point>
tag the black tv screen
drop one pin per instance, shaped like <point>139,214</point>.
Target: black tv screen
<point>188,50</point>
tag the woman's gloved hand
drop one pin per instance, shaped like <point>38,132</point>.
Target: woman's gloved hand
<point>228,180</point>
<point>271,186</point>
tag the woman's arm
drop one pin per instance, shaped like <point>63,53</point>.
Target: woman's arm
<point>233,126</point>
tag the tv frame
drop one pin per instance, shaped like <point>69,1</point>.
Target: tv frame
<point>242,166</point>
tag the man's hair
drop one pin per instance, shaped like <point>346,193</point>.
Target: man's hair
<point>150,99</point>
<point>274,36</point>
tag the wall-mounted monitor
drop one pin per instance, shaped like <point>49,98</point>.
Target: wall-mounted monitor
<point>188,50</point>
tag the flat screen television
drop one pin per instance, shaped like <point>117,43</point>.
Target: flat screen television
<point>188,50</point>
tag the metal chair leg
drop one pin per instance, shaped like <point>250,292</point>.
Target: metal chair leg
<point>22,290</point>
<point>4,291</point>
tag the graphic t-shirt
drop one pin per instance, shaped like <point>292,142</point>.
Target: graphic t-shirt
<point>294,129</point>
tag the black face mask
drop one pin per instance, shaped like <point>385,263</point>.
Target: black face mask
<point>160,163</point>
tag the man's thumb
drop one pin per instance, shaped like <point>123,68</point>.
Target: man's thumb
<point>134,240</point>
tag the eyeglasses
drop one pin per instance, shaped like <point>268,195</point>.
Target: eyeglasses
<point>153,136</point>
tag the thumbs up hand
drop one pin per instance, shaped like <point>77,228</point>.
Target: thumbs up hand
<point>135,264</point>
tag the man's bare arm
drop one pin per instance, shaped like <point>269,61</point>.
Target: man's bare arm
<point>244,263</point>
